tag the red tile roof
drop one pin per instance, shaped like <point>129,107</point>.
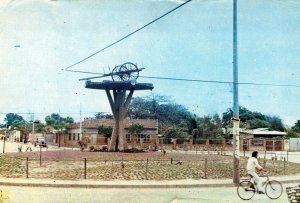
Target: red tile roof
<point>93,124</point>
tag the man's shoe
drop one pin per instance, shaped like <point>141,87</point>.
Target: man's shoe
<point>261,192</point>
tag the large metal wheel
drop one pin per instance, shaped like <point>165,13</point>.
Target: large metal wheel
<point>126,72</point>
<point>246,190</point>
<point>274,189</point>
<point>133,70</point>
<point>120,73</point>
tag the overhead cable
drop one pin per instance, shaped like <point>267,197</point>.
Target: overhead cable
<point>110,45</point>
<point>222,82</point>
<point>207,81</point>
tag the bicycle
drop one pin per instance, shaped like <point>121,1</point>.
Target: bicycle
<point>247,188</point>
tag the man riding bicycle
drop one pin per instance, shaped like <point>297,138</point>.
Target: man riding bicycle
<point>252,165</point>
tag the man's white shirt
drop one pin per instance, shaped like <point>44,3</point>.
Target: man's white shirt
<point>252,164</point>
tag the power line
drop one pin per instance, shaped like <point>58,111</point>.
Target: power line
<point>206,81</point>
<point>221,82</point>
<point>110,45</point>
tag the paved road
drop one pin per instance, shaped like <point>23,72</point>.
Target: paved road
<point>178,195</point>
<point>13,147</point>
<point>280,155</point>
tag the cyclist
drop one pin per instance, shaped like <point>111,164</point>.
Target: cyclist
<point>252,165</point>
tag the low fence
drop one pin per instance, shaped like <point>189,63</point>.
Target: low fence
<point>252,144</point>
<point>148,169</point>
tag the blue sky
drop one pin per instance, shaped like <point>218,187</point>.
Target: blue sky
<point>39,38</point>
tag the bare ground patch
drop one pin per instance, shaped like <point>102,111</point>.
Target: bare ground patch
<point>69,164</point>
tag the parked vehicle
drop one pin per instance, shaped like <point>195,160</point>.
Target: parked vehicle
<point>40,141</point>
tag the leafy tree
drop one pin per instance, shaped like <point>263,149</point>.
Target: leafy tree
<point>39,127</point>
<point>13,119</point>
<point>68,120</point>
<point>251,120</point>
<point>275,123</point>
<point>257,123</point>
<point>210,127</point>
<point>58,122</point>
<point>26,128</point>
<point>175,132</point>
<point>162,108</point>
<point>157,107</point>
<point>101,115</point>
<point>291,133</point>
<point>135,128</point>
<point>105,130</point>
<point>296,126</point>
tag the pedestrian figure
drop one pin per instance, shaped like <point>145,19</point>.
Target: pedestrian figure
<point>28,146</point>
<point>81,145</point>
<point>19,148</point>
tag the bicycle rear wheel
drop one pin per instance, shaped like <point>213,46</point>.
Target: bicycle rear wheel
<point>274,189</point>
<point>246,190</point>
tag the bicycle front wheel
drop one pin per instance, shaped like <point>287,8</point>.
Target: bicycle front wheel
<point>274,189</point>
<point>246,190</point>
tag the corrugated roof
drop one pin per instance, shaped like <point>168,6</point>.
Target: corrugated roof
<point>258,131</point>
<point>264,131</point>
<point>93,124</point>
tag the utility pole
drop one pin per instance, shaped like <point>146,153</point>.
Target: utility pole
<point>80,124</point>
<point>235,119</point>
<point>33,136</point>
<point>4,139</point>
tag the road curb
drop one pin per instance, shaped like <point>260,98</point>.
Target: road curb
<point>116,185</point>
<point>109,186</point>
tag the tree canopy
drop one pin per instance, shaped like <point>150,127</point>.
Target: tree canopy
<point>105,130</point>
<point>252,120</point>
<point>164,109</point>
<point>102,115</point>
<point>58,122</point>
<point>13,120</point>
<point>135,128</point>
<point>296,126</point>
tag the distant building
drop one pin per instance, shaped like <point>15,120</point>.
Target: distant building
<point>262,133</point>
<point>14,135</point>
<point>2,133</point>
<point>257,133</point>
<point>89,131</point>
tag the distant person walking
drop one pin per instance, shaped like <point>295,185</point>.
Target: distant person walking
<point>29,146</point>
<point>252,165</point>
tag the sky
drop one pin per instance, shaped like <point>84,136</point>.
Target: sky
<point>40,38</point>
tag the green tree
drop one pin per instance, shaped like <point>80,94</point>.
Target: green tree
<point>175,132</point>
<point>296,126</point>
<point>135,128</point>
<point>257,123</point>
<point>102,115</point>
<point>58,122</point>
<point>162,108</point>
<point>39,127</point>
<point>105,130</point>
<point>210,127</point>
<point>291,133</point>
<point>275,123</point>
<point>251,120</point>
<point>13,119</point>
